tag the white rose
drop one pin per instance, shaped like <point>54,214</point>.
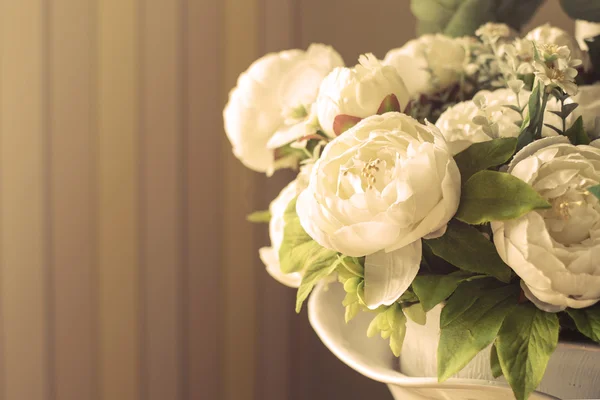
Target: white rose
<point>588,99</point>
<point>460,130</point>
<point>556,251</point>
<point>358,92</point>
<point>376,191</point>
<point>270,255</point>
<point>271,96</point>
<point>429,63</point>
<point>547,34</point>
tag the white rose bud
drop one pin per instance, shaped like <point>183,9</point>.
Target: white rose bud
<point>358,92</point>
<point>461,126</point>
<point>556,251</point>
<point>588,99</point>
<point>376,191</point>
<point>270,255</point>
<point>268,95</point>
<point>430,63</point>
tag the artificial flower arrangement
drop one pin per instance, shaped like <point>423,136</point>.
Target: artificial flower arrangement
<point>462,171</point>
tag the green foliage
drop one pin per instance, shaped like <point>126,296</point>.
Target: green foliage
<point>467,249</point>
<point>320,265</point>
<point>259,217</point>
<point>495,363</point>
<point>587,321</point>
<point>517,13</point>
<point>497,196</point>
<point>470,322</point>
<point>463,17</point>
<point>480,156</point>
<point>351,274</point>
<point>416,313</point>
<point>433,289</point>
<point>525,342</point>
<point>577,134</point>
<point>298,250</point>
<point>595,190</point>
<point>588,10</point>
<point>532,119</point>
<point>390,322</point>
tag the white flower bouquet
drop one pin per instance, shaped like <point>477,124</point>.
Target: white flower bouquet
<point>461,172</point>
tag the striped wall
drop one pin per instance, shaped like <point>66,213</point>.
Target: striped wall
<point>127,270</point>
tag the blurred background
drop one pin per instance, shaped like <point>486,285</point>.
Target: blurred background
<point>127,269</point>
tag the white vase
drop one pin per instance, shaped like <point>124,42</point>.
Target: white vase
<point>584,30</point>
<point>573,371</point>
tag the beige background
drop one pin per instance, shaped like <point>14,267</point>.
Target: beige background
<point>127,270</point>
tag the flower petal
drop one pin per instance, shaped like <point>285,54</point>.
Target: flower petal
<point>388,275</point>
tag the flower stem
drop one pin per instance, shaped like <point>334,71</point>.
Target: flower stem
<point>538,134</point>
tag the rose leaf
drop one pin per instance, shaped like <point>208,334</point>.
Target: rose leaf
<point>321,264</point>
<point>525,342</point>
<point>480,156</point>
<point>587,321</point>
<point>467,249</point>
<point>298,250</point>
<point>433,289</point>
<point>497,196</point>
<point>470,322</point>
<point>495,363</point>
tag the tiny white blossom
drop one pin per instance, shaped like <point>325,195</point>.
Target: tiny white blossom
<point>492,32</point>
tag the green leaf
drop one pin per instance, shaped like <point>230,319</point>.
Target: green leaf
<point>530,124</point>
<point>389,104</point>
<point>416,313</point>
<point>390,322</point>
<point>577,134</point>
<point>298,250</point>
<point>397,339</point>
<point>555,129</point>
<point>587,321</point>
<point>587,10</point>
<point>495,363</point>
<point>463,17</point>
<point>595,190</point>
<point>466,248</point>
<point>321,265</point>
<point>351,311</point>
<point>525,342</point>
<point>451,17</point>
<point>464,297</point>
<point>497,196</point>
<point>517,13</point>
<point>408,297</point>
<point>513,107</point>
<point>474,328</point>
<point>342,123</point>
<point>480,156</point>
<point>433,289</point>
<point>259,216</point>
<point>353,266</point>
<point>565,111</point>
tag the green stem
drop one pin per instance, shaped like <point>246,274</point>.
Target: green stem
<point>564,119</point>
<point>540,122</point>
